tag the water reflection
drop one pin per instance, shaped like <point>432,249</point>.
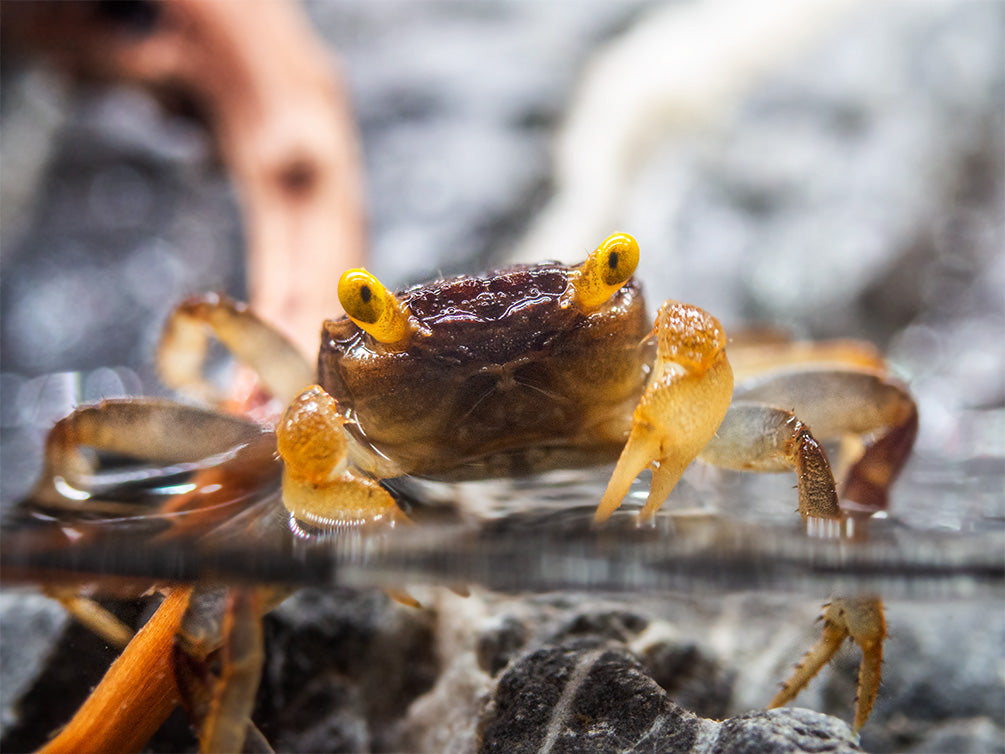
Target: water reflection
<point>945,538</point>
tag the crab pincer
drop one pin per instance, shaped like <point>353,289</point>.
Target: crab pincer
<point>320,488</point>
<point>685,400</point>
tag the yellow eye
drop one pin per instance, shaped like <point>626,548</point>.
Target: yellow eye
<point>605,270</point>
<point>372,307</point>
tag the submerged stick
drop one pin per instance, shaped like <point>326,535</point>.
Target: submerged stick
<point>137,693</point>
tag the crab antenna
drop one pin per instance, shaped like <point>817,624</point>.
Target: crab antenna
<point>605,270</point>
<point>372,307</point>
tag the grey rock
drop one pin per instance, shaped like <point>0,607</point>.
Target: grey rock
<point>30,625</point>
<point>498,644</point>
<point>327,715</point>
<point>978,735</point>
<point>584,698</point>
<point>342,667</point>
<point>612,624</point>
<point>957,678</point>
<point>785,200</point>
<point>691,677</point>
<point>597,689</point>
<point>784,731</point>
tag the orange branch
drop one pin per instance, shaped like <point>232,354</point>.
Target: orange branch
<point>281,117</point>
<point>137,693</point>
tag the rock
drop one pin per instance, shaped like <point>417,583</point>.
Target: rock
<point>342,668</point>
<point>327,715</point>
<point>979,735</point>
<point>784,731</point>
<point>499,643</point>
<point>445,719</point>
<point>939,666</point>
<point>691,677</point>
<point>580,675</point>
<point>584,696</point>
<point>31,625</point>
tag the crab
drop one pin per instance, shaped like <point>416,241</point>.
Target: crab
<point>529,369</point>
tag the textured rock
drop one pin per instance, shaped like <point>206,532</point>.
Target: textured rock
<point>342,667</point>
<point>691,677</point>
<point>584,678</point>
<point>786,731</point>
<point>30,624</point>
<point>960,648</point>
<point>583,696</point>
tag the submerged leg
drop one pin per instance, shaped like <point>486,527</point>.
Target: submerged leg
<point>862,620</point>
<point>185,342</point>
<point>139,687</point>
<point>684,402</point>
<point>224,625</point>
<point>757,437</point>
<point>838,404</point>
<point>92,616</point>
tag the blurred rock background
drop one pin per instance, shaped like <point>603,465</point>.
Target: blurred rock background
<point>854,187</point>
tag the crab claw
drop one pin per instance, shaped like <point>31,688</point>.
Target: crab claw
<point>860,618</point>
<point>686,399</point>
<point>320,488</point>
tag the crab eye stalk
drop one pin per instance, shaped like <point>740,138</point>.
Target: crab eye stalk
<point>605,270</point>
<point>372,307</point>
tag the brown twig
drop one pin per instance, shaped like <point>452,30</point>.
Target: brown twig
<point>269,91</point>
<point>135,696</point>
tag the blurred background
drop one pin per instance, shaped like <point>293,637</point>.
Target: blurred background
<point>835,172</point>
<point>830,167</point>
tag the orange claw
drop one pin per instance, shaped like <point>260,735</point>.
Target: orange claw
<point>319,486</point>
<point>685,401</point>
<point>310,437</point>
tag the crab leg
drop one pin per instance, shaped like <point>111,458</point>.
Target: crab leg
<point>142,428</point>
<point>683,404</point>
<point>758,437</point>
<point>227,622</point>
<point>860,618</point>
<point>92,615</point>
<point>840,404</point>
<point>185,343</point>
<point>157,431</point>
<point>751,358</point>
